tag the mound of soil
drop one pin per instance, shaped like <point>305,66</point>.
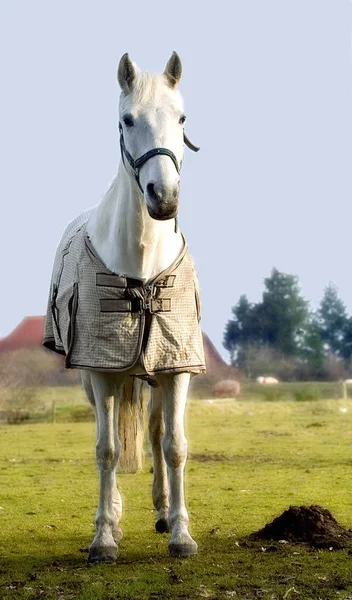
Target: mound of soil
<point>311,525</point>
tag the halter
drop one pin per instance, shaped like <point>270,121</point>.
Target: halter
<point>139,162</point>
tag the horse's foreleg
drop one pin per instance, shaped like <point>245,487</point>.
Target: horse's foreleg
<point>174,391</point>
<point>117,501</point>
<point>105,390</point>
<point>160,491</point>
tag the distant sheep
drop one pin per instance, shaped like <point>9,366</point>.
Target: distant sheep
<point>227,388</point>
<point>267,380</point>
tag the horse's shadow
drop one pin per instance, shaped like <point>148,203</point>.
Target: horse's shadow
<point>77,559</point>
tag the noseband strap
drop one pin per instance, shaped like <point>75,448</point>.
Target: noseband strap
<point>139,162</point>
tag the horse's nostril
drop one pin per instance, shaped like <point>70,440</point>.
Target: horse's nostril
<point>161,195</point>
<point>152,193</point>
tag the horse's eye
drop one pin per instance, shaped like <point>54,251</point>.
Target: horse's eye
<point>182,119</point>
<point>128,121</point>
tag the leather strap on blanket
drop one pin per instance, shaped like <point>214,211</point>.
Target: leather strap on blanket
<point>136,297</point>
<point>156,305</point>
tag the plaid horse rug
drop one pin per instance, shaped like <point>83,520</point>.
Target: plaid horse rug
<point>102,321</point>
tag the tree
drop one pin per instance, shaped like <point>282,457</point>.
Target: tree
<point>280,334</point>
<point>284,313</point>
<point>312,350</point>
<point>346,348</point>
<point>334,321</point>
<point>241,329</point>
<point>277,322</point>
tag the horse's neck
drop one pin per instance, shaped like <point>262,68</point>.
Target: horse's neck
<point>128,241</point>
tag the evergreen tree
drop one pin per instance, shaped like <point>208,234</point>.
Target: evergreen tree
<point>241,329</point>
<point>346,348</point>
<point>312,349</point>
<point>276,322</point>
<point>334,321</point>
<point>284,313</point>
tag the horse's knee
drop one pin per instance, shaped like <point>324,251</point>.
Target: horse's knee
<point>107,455</point>
<point>175,450</point>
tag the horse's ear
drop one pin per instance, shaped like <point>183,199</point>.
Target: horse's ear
<point>173,70</point>
<point>126,73</point>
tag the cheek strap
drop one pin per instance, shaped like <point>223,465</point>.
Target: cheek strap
<point>137,163</point>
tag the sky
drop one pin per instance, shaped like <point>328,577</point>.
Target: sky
<point>267,86</point>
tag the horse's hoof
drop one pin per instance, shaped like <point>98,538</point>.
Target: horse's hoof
<point>183,549</point>
<point>162,526</point>
<point>107,554</point>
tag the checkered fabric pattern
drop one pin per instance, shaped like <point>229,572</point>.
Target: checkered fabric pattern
<point>97,319</point>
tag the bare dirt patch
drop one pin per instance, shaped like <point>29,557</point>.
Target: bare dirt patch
<point>312,525</point>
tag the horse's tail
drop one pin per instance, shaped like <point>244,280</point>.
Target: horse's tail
<point>131,430</point>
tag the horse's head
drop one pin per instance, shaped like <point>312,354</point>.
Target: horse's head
<point>151,119</point>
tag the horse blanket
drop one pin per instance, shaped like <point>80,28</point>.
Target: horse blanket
<point>104,321</point>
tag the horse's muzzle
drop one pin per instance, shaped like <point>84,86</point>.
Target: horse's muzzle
<point>163,215</point>
<point>162,203</point>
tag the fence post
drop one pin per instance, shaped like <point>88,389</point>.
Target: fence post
<point>53,411</point>
<point>344,389</point>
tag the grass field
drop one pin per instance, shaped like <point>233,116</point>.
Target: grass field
<point>249,460</point>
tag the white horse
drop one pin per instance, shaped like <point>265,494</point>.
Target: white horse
<point>133,232</point>
<point>129,242</point>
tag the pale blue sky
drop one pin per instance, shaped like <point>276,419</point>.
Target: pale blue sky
<point>268,93</point>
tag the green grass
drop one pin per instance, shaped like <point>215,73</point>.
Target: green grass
<point>69,404</point>
<point>249,460</point>
<point>296,390</point>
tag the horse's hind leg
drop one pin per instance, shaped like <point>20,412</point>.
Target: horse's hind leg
<point>174,391</point>
<point>105,388</point>
<point>160,491</point>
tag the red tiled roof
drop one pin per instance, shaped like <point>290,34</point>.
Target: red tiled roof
<point>28,334</point>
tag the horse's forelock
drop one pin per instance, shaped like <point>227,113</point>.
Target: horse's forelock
<point>149,86</point>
